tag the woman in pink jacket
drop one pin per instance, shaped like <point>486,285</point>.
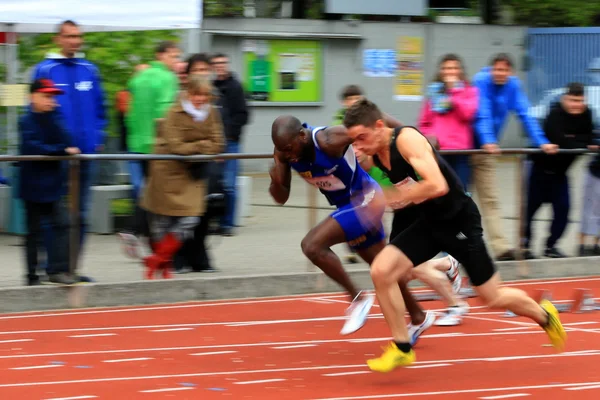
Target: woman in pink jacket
<point>449,111</point>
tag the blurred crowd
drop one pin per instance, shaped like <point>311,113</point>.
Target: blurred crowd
<point>198,106</point>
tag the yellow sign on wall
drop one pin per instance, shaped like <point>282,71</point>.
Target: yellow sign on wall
<point>411,69</point>
<point>14,95</point>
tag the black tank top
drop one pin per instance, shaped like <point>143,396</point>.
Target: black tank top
<point>444,207</point>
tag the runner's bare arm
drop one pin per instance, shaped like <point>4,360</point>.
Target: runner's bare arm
<point>281,180</point>
<point>334,141</point>
<point>415,149</point>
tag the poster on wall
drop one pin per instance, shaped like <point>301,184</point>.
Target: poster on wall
<point>379,63</point>
<point>410,72</point>
<point>284,71</point>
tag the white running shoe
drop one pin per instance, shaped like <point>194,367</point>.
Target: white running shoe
<point>357,313</point>
<point>453,315</point>
<point>414,331</point>
<point>453,274</point>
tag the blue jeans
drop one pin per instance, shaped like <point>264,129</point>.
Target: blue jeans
<point>86,178</point>
<point>230,173</point>
<point>136,175</point>
<point>51,219</point>
<point>460,164</point>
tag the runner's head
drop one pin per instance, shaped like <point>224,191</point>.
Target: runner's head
<point>290,138</point>
<point>366,127</point>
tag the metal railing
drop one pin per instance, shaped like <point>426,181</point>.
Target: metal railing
<point>74,171</point>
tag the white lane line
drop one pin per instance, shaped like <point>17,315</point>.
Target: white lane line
<point>258,300</point>
<point>16,340</point>
<point>37,367</point>
<point>167,389</point>
<point>266,344</point>
<point>505,396</point>
<point>213,353</point>
<point>529,324</point>
<point>298,346</point>
<point>518,328</point>
<point>316,368</point>
<point>93,335</point>
<point>464,391</point>
<point>128,360</point>
<point>581,323</point>
<point>348,373</point>
<point>172,330</point>
<point>430,365</point>
<point>227,324</point>
<point>583,387</point>
<point>260,381</point>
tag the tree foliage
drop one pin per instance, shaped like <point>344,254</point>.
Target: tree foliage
<point>223,8</point>
<point>115,53</point>
<point>550,13</point>
<point>554,12</point>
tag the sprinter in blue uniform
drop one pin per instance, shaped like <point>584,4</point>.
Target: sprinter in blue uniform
<point>324,157</point>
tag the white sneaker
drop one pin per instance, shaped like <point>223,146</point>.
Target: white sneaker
<point>357,313</point>
<point>414,331</point>
<point>130,245</point>
<point>453,315</point>
<point>453,274</point>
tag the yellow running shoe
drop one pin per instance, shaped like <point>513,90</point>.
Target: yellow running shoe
<point>391,358</point>
<point>554,329</point>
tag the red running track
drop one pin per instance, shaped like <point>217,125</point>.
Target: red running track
<point>290,348</point>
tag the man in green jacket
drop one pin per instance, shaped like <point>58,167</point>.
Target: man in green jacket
<point>153,92</point>
<point>349,95</point>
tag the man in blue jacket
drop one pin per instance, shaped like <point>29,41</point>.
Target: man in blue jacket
<point>83,105</point>
<point>42,184</point>
<point>499,92</point>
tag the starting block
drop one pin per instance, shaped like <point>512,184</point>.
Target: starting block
<point>582,302</point>
<point>466,291</point>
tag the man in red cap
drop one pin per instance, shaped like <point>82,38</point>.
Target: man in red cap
<point>43,184</point>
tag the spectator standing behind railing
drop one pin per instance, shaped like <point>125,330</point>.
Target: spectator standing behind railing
<point>449,112</point>
<point>569,124</point>
<point>175,191</point>
<point>590,212</point>
<point>83,106</point>
<point>43,184</point>
<point>234,113</point>
<point>499,92</point>
<point>193,256</point>
<point>153,91</point>
<point>122,100</point>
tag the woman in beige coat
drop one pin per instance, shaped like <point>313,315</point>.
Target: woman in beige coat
<point>174,193</point>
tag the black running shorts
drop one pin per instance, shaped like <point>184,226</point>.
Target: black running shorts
<point>403,219</point>
<point>461,237</point>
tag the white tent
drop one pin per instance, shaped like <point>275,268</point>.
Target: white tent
<point>39,16</point>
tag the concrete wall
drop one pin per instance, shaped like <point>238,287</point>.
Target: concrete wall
<point>342,60</point>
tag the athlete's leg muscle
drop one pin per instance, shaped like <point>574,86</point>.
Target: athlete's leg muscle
<point>389,267</point>
<point>316,246</point>
<point>417,315</point>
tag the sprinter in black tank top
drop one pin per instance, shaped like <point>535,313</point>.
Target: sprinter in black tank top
<point>444,207</point>
<point>448,221</point>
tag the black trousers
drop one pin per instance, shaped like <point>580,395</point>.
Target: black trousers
<point>55,218</point>
<point>193,253</point>
<point>548,188</point>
